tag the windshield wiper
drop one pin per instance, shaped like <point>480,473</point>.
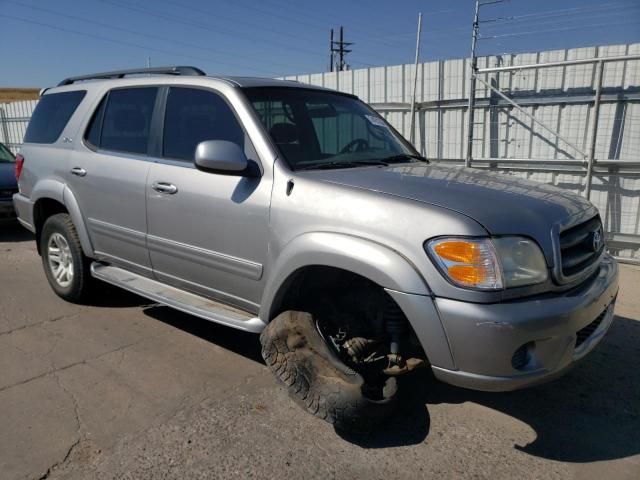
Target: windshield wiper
<point>404,156</point>
<point>329,165</point>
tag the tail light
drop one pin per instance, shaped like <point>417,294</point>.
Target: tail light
<point>19,164</point>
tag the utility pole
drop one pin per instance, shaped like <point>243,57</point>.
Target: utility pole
<point>339,49</point>
<point>415,82</point>
<point>473,66</point>
<point>331,51</point>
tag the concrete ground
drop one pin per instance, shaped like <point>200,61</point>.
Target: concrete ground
<point>127,389</point>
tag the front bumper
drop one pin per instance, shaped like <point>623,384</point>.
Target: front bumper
<point>484,338</point>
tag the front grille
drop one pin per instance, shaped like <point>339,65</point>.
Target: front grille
<point>7,193</point>
<point>579,246</point>
<point>587,331</point>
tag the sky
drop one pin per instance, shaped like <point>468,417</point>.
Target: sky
<point>44,41</point>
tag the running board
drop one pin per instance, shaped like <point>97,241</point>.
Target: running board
<point>179,299</point>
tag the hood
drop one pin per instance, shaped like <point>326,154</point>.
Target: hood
<point>502,204</point>
<point>8,175</point>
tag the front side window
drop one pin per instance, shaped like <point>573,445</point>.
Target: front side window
<point>318,129</point>
<point>5,155</point>
<point>126,121</point>
<point>51,116</point>
<point>194,115</point>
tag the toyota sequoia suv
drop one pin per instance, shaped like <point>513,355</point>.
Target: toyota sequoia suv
<point>298,213</point>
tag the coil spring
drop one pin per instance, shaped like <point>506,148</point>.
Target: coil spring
<point>395,324</point>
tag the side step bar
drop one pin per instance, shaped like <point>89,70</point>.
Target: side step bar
<point>179,299</point>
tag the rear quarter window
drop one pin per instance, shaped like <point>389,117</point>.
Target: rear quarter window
<point>51,116</point>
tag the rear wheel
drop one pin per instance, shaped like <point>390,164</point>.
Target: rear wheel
<point>65,265</point>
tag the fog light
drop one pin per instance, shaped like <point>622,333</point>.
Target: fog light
<point>522,355</point>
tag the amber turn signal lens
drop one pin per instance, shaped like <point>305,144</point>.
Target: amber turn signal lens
<point>458,251</point>
<point>469,274</point>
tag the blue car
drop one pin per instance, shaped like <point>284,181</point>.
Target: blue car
<point>8,183</point>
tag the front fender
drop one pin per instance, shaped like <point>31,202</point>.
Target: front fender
<point>376,262</point>
<point>371,260</point>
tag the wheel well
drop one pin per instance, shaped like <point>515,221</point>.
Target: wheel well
<point>300,290</point>
<point>43,209</point>
<point>322,289</point>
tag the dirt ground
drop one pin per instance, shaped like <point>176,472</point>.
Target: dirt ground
<point>127,389</point>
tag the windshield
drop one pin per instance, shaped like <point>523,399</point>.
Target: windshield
<point>318,129</point>
<point>5,155</point>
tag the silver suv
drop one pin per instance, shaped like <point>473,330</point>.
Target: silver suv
<point>299,213</point>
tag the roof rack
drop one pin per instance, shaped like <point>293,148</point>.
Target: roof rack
<point>189,71</point>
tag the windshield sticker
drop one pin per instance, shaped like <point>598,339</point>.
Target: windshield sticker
<point>377,121</point>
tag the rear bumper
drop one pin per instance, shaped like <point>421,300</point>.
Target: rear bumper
<point>7,212</point>
<point>24,211</point>
<point>483,338</point>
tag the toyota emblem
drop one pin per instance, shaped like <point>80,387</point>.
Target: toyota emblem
<point>596,241</point>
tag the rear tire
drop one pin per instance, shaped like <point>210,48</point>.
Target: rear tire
<point>65,265</point>
<point>317,379</point>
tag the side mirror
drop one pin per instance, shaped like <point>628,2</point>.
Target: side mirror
<point>220,156</point>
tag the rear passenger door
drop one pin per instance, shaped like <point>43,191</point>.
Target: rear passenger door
<point>207,232</point>
<point>108,177</point>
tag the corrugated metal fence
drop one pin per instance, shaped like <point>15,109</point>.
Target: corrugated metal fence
<point>507,140</point>
<point>504,138</point>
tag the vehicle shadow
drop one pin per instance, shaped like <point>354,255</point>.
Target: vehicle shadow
<point>12,231</point>
<point>590,414</point>
<point>106,295</point>
<point>237,341</point>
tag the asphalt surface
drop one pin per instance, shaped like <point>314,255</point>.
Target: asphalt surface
<point>127,389</point>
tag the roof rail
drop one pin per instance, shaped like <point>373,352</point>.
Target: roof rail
<point>192,71</point>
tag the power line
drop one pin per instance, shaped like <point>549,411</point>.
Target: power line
<point>209,13</point>
<point>154,37</point>
<point>576,27</point>
<point>106,39</point>
<point>204,26</point>
<point>555,19</point>
<point>302,19</point>
<point>555,14</point>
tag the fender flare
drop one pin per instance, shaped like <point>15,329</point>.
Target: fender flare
<point>376,262</point>
<point>60,192</point>
<point>73,207</point>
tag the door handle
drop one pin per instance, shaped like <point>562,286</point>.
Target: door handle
<point>163,187</point>
<point>79,171</point>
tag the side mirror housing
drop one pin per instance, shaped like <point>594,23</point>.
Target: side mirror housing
<point>221,156</point>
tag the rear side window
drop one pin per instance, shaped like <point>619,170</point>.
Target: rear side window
<point>93,133</point>
<point>122,122</point>
<point>51,116</point>
<point>193,116</point>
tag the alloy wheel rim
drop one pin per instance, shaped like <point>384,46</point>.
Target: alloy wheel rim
<point>60,260</point>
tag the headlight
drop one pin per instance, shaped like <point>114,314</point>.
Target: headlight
<point>489,264</point>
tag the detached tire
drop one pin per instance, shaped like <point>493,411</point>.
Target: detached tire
<point>317,379</point>
<point>65,265</point>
